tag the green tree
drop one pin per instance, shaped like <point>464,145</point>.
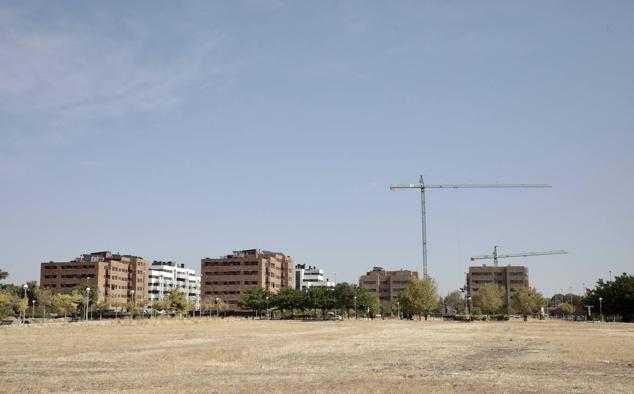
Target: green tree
<point>101,307</point>
<point>568,309</point>
<point>617,297</point>
<point>162,305</point>
<point>387,308</point>
<point>344,297</point>
<point>208,305</point>
<point>222,305</point>
<point>367,302</point>
<point>322,298</point>
<point>7,301</point>
<point>455,303</point>
<point>178,302</point>
<point>288,299</point>
<point>254,299</point>
<point>64,303</point>
<point>489,298</point>
<point>419,298</point>
<point>44,297</point>
<point>22,304</point>
<point>527,301</point>
<point>3,274</point>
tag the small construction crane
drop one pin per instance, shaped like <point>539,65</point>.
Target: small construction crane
<point>495,256</point>
<point>422,186</point>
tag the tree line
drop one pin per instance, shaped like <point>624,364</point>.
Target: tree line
<point>418,300</point>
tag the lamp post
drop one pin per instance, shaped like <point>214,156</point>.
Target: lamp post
<point>398,310</point>
<point>469,305</point>
<point>601,308</point>
<point>355,307</point>
<point>25,287</point>
<point>87,302</point>
<point>267,308</point>
<point>217,307</point>
<point>32,309</point>
<point>134,304</point>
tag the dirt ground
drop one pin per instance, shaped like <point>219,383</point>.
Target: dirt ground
<point>204,355</point>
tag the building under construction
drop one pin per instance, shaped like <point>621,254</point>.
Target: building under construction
<point>511,278</point>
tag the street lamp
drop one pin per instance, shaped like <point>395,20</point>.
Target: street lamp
<point>355,307</point>
<point>217,307</point>
<point>267,307</point>
<point>134,305</point>
<point>469,305</point>
<point>25,287</point>
<point>87,302</point>
<point>601,308</point>
<point>32,309</point>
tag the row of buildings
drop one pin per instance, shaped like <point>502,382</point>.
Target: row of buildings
<point>120,278</point>
<point>125,278</point>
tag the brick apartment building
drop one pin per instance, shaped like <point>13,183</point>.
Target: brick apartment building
<point>511,278</point>
<point>226,277</point>
<point>117,278</point>
<point>387,284</point>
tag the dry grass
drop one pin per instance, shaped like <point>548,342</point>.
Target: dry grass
<point>350,356</point>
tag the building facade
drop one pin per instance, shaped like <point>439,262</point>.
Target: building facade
<point>305,278</point>
<point>510,278</point>
<point>168,275</point>
<point>228,276</point>
<point>116,278</point>
<point>387,284</point>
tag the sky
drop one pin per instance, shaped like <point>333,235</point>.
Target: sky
<point>181,130</point>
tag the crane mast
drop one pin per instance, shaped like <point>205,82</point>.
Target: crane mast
<point>422,186</point>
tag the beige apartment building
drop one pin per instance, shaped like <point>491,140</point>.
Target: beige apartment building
<point>228,276</point>
<point>510,278</point>
<point>387,284</point>
<point>117,278</point>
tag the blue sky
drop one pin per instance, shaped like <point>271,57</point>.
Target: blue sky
<point>183,130</point>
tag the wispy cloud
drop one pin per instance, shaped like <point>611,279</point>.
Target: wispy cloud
<point>76,70</point>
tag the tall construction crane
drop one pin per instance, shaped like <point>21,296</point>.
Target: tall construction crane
<point>495,256</point>
<point>422,186</point>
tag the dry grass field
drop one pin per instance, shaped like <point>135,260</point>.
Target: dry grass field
<point>292,356</point>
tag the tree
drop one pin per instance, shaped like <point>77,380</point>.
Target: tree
<point>344,297</point>
<point>22,304</point>
<point>161,305</point>
<point>64,303</point>
<point>254,299</point>
<point>7,301</point>
<point>489,298</point>
<point>208,305</point>
<point>367,302</point>
<point>322,298</point>
<point>221,306</point>
<point>288,299</point>
<point>101,307</point>
<point>568,309</point>
<point>419,298</point>
<point>178,302</point>
<point>527,301</point>
<point>617,297</point>
<point>44,297</point>
<point>387,308</point>
<point>3,274</point>
<point>454,302</point>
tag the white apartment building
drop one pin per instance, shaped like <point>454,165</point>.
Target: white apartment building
<point>167,275</point>
<point>310,277</point>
